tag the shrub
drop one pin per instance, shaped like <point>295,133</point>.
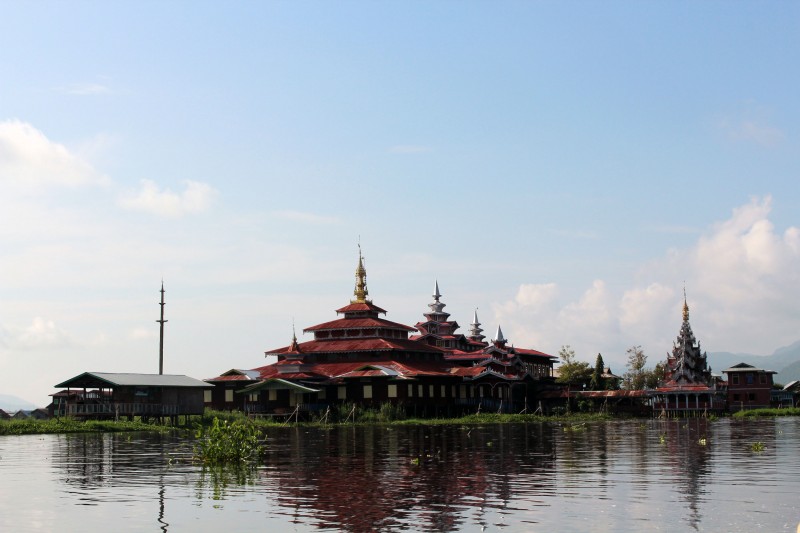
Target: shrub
<point>228,443</point>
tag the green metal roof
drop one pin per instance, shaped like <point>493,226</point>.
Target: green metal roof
<point>109,380</point>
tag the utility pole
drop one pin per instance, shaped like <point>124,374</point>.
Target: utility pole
<point>161,337</point>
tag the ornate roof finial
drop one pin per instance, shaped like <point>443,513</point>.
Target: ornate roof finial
<point>436,294</point>
<point>685,305</point>
<point>499,336</point>
<point>294,346</point>
<point>360,292</point>
<point>475,331</point>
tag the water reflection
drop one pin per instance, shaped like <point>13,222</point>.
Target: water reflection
<point>360,479</point>
<point>618,476</point>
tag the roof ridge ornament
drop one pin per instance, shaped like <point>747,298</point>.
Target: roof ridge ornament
<point>360,292</point>
<point>685,305</point>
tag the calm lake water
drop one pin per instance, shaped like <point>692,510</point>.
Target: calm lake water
<point>649,475</point>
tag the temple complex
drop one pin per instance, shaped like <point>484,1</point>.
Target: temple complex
<point>365,359</point>
<point>688,387</point>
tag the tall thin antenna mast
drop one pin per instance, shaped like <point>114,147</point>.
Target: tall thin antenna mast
<point>161,337</point>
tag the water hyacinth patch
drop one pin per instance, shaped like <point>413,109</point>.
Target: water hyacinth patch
<point>226,442</point>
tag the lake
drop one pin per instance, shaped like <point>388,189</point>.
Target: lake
<point>642,475</point>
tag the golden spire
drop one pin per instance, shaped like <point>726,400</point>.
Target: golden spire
<point>685,306</point>
<point>360,292</point>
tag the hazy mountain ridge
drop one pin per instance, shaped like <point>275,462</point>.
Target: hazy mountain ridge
<point>12,404</point>
<point>785,360</point>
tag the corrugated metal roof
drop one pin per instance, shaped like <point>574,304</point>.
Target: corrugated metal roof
<point>277,384</point>
<point>107,379</point>
<point>359,323</point>
<point>358,345</point>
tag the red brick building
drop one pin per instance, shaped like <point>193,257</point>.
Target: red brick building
<point>748,387</point>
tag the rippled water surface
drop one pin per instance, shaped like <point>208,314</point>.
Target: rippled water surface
<point>690,475</point>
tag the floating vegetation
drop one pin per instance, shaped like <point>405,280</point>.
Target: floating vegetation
<point>70,425</point>
<point>228,443</point>
<point>662,439</point>
<point>702,441</point>
<point>757,447</point>
<point>751,413</point>
<point>573,428</point>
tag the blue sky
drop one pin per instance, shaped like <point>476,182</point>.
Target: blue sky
<point>562,166</point>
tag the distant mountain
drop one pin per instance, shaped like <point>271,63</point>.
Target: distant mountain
<point>788,374</point>
<point>785,361</point>
<point>12,404</point>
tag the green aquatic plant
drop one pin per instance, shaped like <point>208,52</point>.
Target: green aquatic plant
<point>702,441</point>
<point>662,439</point>
<point>757,447</point>
<point>228,443</point>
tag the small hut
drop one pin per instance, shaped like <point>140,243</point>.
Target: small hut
<point>109,395</point>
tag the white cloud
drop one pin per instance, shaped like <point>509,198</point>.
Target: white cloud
<point>28,159</point>
<point>752,125</point>
<point>40,334</point>
<point>195,198</point>
<point>84,89</point>
<point>308,218</point>
<point>743,286</point>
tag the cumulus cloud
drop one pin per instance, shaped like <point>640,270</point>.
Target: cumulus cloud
<point>39,334</point>
<point>28,159</point>
<point>195,198</point>
<point>743,289</point>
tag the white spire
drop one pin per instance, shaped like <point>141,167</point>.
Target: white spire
<point>475,331</point>
<point>436,306</point>
<point>499,336</point>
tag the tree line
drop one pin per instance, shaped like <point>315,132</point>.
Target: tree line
<point>580,374</point>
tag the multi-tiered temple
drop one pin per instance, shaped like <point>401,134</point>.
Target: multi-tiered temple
<point>363,358</point>
<point>688,386</point>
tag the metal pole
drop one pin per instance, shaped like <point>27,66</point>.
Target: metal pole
<point>161,336</point>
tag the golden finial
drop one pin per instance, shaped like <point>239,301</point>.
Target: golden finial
<point>360,292</point>
<point>685,306</point>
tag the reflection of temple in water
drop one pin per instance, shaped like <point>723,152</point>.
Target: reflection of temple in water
<point>688,456</point>
<point>363,479</point>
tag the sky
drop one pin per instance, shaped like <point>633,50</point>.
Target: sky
<point>565,168</point>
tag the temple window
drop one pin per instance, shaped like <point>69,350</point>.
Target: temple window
<point>321,394</point>
<point>735,379</point>
<point>419,391</point>
<point>749,378</point>
<point>367,392</point>
<point>342,393</point>
<point>273,395</point>
<point>430,391</point>
<point>392,391</point>
<point>444,391</point>
<point>228,395</point>
<point>206,396</point>
<point>410,390</point>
